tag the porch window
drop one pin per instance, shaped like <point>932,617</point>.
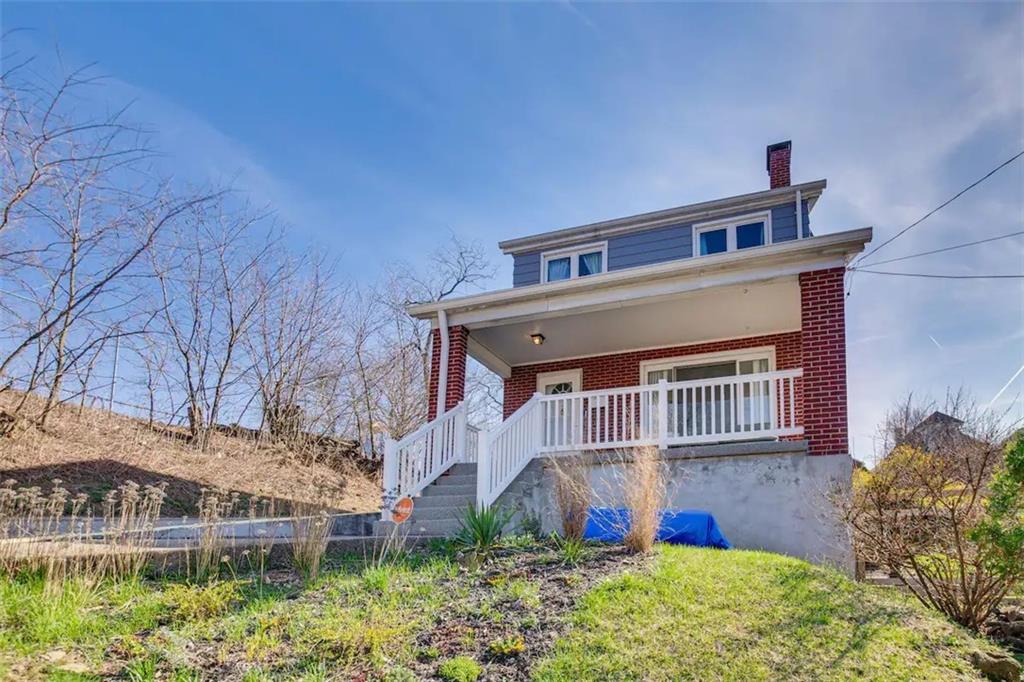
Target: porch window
<point>579,261</point>
<point>738,233</point>
<point>694,408</point>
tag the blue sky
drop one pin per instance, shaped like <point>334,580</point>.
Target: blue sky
<point>373,129</point>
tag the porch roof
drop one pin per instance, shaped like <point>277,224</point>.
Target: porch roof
<point>734,294</point>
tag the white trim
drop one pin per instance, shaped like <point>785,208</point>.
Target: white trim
<point>738,355</point>
<point>573,253</point>
<point>799,216</point>
<point>729,225</point>
<point>658,347</point>
<point>488,358</point>
<point>573,376</point>
<point>680,215</point>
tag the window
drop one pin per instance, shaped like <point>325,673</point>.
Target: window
<point>712,366</point>
<point>736,233</point>
<point>578,261</point>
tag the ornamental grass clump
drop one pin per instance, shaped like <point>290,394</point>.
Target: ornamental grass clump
<point>644,489</point>
<point>311,532</point>
<point>573,493</point>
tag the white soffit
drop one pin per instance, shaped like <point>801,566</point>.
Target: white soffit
<point>723,313</point>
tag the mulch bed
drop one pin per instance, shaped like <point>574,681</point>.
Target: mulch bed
<point>483,619</point>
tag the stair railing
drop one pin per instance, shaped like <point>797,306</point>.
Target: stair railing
<point>505,451</point>
<point>414,462</point>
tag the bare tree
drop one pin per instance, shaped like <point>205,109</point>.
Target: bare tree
<point>295,347</point>
<point>210,287</point>
<point>78,209</point>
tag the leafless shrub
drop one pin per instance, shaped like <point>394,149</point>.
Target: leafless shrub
<point>645,489</point>
<point>311,530</point>
<point>572,493</point>
<point>914,512</point>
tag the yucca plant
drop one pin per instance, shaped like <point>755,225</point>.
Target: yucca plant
<point>481,528</point>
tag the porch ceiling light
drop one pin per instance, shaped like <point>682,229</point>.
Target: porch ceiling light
<point>537,339</point>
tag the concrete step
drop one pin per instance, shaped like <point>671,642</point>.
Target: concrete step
<point>447,501</point>
<point>431,527</point>
<point>454,489</point>
<point>454,479</point>
<point>462,468</point>
<point>434,513</point>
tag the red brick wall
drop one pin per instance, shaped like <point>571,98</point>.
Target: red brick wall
<point>623,369</point>
<point>455,390</point>
<point>778,166</point>
<point>822,315</point>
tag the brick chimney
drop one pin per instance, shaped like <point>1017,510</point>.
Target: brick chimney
<point>778,163</point>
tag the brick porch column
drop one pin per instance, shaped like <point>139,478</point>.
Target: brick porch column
<point>823,345</point>
<point>455,391</point>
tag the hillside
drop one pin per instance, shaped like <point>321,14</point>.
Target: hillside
<point>92,451</point>
<point>530,611</point>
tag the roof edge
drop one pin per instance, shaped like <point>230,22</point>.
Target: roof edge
<point>641,221</point>
<point>845,243</point>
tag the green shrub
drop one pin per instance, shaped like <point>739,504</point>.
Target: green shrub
<point>192,603</point>
<point>507,647</point>
<point>481,528</point>
<point>459,669</point>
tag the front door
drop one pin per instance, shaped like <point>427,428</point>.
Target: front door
<point>558,414</point>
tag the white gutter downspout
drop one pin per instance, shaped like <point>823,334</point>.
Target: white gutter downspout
<point>799,217</point>
<point>442,370</point>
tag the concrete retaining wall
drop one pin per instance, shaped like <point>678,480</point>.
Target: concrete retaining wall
<point>770,495</point>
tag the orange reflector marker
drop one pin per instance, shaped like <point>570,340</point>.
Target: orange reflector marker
<point>402,510</point>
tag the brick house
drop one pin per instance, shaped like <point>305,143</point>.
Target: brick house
<point>714,331</point>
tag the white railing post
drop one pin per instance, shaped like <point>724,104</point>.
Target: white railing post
<point>390,478</point>
<point>460,432</point>
<point>483,470</point>
<point>662,414</point>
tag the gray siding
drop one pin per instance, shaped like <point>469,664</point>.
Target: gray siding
<point>784,222</point>
<point>526,269</point>
<point>658,245</point>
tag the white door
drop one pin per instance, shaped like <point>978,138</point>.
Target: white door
<point>558,415</point>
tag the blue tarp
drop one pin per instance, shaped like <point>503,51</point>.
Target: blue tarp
<point>678,526</point>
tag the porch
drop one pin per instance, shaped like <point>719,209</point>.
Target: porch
<point>720,349</point>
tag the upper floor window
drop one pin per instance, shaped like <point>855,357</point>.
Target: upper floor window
<point>578,261</point>
<point>729,235</point>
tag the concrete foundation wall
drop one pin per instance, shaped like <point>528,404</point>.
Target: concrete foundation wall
<point>769,496</point>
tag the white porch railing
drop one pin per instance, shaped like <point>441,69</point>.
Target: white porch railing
<point>504,452</point>
<point>413,463</point>
<point>744,407</point>
<point>682,413</point>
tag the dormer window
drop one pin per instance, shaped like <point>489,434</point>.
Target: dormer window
<point>578,261</point>
<point>744,232</point>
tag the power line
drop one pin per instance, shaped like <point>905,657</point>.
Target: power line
<point>942,276</point>
<point>948,248</point>
<point>942,205</point>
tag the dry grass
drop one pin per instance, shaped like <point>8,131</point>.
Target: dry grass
<point>57,534</point>
<point>645,496</point>
<point>311,528</point>
<point>94,451</point>
<point>572,493</point>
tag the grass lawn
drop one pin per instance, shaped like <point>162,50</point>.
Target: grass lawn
<point>529,612</point>
<point>701,614</point>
